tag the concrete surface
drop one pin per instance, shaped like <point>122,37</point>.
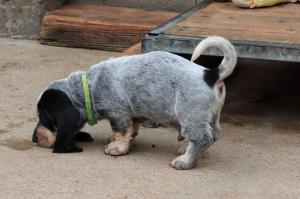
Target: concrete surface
<point>258,155</point>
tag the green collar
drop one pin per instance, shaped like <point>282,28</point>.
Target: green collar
<point>87,99</point>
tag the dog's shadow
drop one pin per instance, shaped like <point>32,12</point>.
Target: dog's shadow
<point>155,145</point>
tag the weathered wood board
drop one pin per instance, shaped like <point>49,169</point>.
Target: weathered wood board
<point>99,27</point>
<point>265,33</point>
<point>279,24</point>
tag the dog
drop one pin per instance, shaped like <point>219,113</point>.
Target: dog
<point>158,86</point>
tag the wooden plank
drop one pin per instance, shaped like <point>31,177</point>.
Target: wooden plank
<point>182,16</point>
<point>279,24</point>
<point>99,27</point>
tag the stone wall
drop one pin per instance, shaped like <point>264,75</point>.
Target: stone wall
<point>21,18</point>
<point>170,5</point>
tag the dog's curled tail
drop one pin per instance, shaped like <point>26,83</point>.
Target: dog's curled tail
<point>230,58</point>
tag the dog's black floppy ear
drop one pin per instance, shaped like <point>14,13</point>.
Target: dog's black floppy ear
<point>59,109</point>
<point>66,131</point>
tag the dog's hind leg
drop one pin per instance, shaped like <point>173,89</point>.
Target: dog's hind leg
<point>182,147</point>
<point>181,139</point>
<point>195,148</point>
<point>212,133</point>
<point>122,140</point>
<point>215,130</point>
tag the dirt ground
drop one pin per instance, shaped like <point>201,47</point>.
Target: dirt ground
<point>258,155</point>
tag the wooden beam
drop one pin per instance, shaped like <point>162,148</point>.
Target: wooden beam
<point>99,27</point>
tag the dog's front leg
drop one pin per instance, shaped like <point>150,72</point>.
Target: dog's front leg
<point>121,141</point>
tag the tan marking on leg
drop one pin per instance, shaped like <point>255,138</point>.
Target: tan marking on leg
<point>182,147</point>
<point>132,130</point>
<point>122,142</point>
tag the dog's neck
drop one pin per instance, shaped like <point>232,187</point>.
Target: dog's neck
<point>87,98</point>
<point>73,87</point>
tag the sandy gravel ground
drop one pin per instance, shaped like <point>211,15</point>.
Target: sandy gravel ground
<point>258,155</point>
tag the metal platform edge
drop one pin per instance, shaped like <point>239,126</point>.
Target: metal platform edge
<point>245,49</point>
<point>157,40</point>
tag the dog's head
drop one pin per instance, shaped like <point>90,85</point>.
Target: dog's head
<point>58,121</point>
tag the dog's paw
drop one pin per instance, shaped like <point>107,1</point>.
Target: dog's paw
<point>117,148</point>
<point>83,137</point>
<point>183,162</point>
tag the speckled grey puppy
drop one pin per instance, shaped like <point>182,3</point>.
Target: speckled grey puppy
<point>157,86</point>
